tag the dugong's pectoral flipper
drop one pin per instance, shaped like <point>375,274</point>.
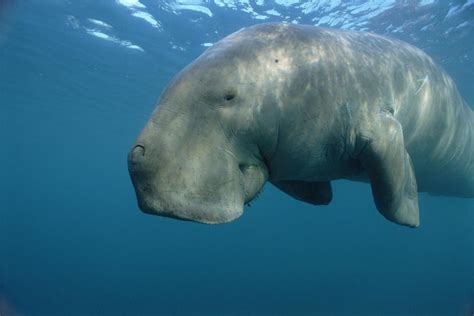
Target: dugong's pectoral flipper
<point>390,170</point>
<point>317,193</point>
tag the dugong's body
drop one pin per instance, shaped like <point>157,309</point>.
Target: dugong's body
<point>301,106</point>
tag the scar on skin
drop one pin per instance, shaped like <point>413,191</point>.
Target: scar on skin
<point>423,82</point>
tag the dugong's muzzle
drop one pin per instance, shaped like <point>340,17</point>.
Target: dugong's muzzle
<point>206,188</point>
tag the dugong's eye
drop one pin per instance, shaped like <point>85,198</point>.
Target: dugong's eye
<point>229,96</point>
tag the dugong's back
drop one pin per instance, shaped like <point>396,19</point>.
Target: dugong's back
<point>365,72</point>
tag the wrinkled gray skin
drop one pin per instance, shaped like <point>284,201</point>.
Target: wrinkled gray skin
<point>300,106</point>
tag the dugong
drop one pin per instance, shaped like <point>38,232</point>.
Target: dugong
<point>300,106</point>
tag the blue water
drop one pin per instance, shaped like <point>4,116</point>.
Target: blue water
<point>74,94</point>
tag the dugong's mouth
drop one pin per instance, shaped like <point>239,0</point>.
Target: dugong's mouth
<point>146,207</point>
<point>187,209</point>
<point>173,215</point>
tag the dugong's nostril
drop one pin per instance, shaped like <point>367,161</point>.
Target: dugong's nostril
<point>139,150</point>
<point>137,153</point>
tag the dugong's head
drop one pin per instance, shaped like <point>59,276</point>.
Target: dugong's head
<point>202,155</point>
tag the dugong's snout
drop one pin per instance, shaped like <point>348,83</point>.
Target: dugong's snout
<point>212,191</point>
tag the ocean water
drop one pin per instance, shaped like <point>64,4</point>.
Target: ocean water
<point>78,80</point>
